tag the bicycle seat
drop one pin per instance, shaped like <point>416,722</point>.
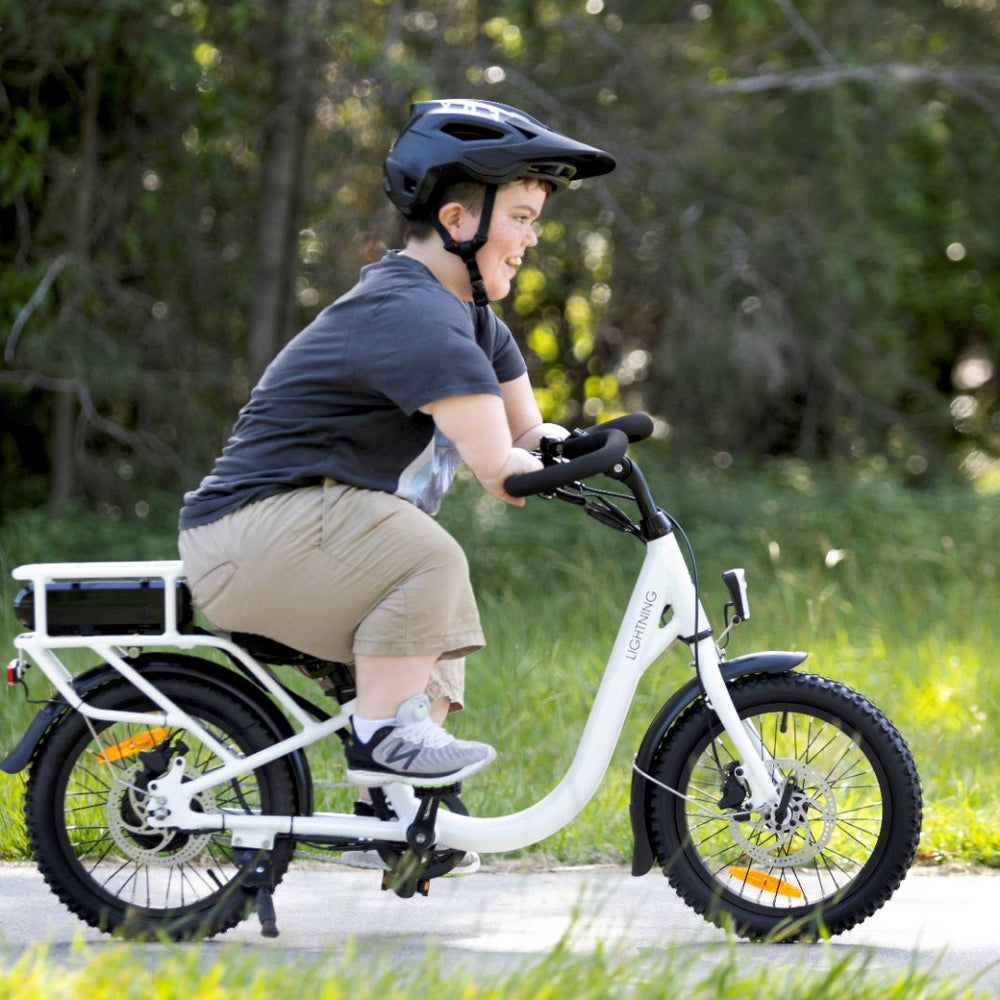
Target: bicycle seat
<point>260,647</point>
<point>275,653</point>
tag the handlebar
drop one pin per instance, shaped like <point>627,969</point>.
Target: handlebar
<point>635,426</point>
<point>589,453</point>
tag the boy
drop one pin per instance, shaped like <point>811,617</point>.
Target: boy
<point>315,527</point>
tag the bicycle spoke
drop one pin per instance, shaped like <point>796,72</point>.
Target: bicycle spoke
<point>836,827</point>
<point>104,819</point>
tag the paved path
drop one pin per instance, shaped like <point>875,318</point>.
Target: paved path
<point>494,920</point>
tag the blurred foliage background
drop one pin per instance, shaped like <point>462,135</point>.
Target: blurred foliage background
<point>798,254</point>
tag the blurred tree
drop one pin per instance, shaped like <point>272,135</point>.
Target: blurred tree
<point>285,120</point>
<point>798,252</point>
<point>797,183</point>
<point>754,271</point>
<point>81,91</point>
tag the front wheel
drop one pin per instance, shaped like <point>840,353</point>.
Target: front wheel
<point>843,835</point>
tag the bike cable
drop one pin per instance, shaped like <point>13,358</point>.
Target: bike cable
<point>699,809</point>
<point>706,701</point>
<point>105,750</point>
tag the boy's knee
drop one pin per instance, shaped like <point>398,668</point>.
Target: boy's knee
<point>447,574</point>
<point>437,552</point>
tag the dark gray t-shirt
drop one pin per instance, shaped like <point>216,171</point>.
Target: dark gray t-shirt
<point>342,398</point>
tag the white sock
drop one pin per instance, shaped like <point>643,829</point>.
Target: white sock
<point>365,729</point>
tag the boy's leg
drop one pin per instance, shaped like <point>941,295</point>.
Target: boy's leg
<point>440,710</point>
<point>396,738</point>
<point>328,569</point>
<point>385,682</point>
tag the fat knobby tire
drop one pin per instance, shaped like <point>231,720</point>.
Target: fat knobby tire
<point>46,812</point>
<point>884,749</point>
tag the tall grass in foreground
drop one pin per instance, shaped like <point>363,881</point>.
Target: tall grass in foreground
<point>891,589</point>
<point>252,974</point>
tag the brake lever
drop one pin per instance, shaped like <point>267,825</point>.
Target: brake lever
<point>565,493</point>
<point>612,516</point>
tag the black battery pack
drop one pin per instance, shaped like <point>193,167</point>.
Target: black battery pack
<point>105,607</point>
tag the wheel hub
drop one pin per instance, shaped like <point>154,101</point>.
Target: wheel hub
<point>125,811</point>
<point>795,835</point>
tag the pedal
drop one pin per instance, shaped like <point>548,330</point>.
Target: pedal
<point>406,888</point>
<point>411,870</point>
<point>407,876</point>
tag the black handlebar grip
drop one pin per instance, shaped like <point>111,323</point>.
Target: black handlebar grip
<point>595,452</point>
<point>635,426</point>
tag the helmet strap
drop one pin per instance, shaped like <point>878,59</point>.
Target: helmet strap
<point>467,249</point>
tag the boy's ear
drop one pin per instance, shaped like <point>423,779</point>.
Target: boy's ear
<point>452,215</point>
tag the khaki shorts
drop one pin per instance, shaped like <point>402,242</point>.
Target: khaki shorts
<point>334,571</point>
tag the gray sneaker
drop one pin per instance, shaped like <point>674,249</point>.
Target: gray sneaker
<point>416,751</point>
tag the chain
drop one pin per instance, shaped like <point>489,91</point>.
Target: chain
<point>331,856</point>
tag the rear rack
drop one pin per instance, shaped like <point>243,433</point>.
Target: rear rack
<point>162,586</point>
<point>153,601</point>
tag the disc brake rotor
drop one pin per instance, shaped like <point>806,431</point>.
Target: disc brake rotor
<point>125,811</point>
<point>805,828</point>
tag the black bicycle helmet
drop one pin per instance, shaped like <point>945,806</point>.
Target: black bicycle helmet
<point>452,140</point>
<point>492,143</point>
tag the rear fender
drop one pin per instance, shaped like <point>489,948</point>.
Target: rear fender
<point>160,665</point>
<point>771,662</point>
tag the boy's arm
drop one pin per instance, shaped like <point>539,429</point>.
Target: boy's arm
<point>523,416</point>
<point>477,424</point>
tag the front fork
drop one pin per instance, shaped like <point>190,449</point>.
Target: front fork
<point>754,760</point>
<point>665,561</point>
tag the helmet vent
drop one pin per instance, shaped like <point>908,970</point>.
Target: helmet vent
<point>471,132</point>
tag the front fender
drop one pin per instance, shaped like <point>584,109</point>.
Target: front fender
<point>770,662</point>
<point>162,664</point>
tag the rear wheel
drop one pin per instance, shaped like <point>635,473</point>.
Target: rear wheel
<point>839,843</point>
<point>85,811</point>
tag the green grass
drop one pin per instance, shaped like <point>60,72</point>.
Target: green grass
<point>255,974</point>
<point>891,589</point>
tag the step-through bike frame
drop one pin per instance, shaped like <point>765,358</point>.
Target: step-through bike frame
<point>664,607</point>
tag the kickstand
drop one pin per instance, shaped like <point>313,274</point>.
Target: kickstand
<point>264,898</point>
<point>259,882</point>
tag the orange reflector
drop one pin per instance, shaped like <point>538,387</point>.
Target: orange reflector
<point>131,746</point>
<point>759,880</point>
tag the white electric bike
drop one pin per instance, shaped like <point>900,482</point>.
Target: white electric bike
<point>167,791</point>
